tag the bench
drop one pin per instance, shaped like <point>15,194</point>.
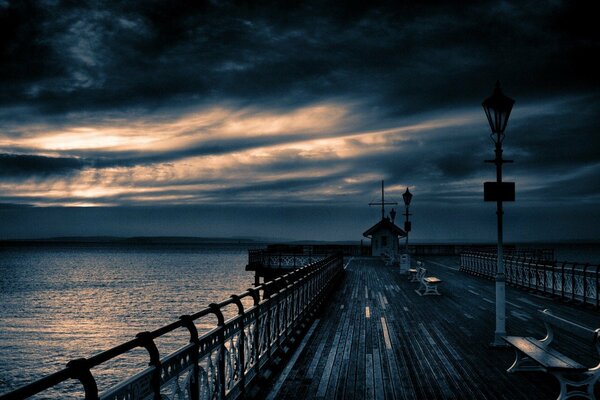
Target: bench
<point>412,272</point>
<point>389,259</point>
<point>428,285</point>
<point>532,354</point>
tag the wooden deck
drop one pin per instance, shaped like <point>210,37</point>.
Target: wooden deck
<point>378,339</point>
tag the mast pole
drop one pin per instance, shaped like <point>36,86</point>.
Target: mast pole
<point>382,201</point>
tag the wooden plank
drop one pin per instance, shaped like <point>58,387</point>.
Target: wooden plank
<point>369,381</point>
<point>328,366</point>
<point>413,347</point>
<point>337,366</point>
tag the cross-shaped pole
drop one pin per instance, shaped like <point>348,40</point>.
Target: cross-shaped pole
<point>383,203</point>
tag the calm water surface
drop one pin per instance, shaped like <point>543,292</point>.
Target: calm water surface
<point>60,303</point>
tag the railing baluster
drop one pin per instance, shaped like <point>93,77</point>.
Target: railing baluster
<point>80,370</point>
<point>562,280</point>
<point>189,324</point>
<point>147,342</point>
<point>256,336</point>
<point>596,288</point>
<point>215,309</point>
<point>573,282</point>
<point>553,268</point>
<point>585,267</point>
<point>241,341</point>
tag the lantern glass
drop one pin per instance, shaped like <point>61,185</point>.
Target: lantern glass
<point>407,196</point>
<point>497,109</point>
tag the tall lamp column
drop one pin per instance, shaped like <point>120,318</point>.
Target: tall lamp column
<point>407,196</point>
<point>497,108</point>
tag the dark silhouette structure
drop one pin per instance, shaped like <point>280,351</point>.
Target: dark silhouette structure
<point>384,234</point>
<point>497,108</point>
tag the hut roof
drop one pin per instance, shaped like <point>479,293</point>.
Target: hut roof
<point>387,225</point>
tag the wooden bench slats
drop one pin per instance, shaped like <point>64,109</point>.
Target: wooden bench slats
<point>575,379</point>
<point>547,357</point>
<point>428,284</point>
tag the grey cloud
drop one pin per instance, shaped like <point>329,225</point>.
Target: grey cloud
<point>110,55</point>
<point>24,166</point>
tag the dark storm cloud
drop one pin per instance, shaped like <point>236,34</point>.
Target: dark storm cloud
<point>563,137</point>
<point>24,166</point>
<point>101,55</point>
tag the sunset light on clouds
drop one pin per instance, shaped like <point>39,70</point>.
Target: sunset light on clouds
<point>262,110</point>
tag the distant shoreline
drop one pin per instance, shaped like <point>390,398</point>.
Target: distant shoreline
<point>191,240</point>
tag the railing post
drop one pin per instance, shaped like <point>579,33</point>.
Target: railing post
<point>215,309</point>
<point>573,282</point>
<point>277,316</point>
<point>529,261</point>
<point>256,297</point>
<point>544,266</point>
<point>147,342</point>
<point>508,259</point>
<point>241,345</point>
<point>80,370</point>
<point>562,280</point>
<point>289,306</point>
<point>191,327</point>
<point>596,288</point>
<point>585,267</point>
<point>268,317</point>
<point>553,266</point>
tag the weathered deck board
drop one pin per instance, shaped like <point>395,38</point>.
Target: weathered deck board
<point>378,339</point>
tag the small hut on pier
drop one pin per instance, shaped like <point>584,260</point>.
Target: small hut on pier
<point>384,237</point>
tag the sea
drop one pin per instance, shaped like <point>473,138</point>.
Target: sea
<point>59,302</point>
<point>62,302</point>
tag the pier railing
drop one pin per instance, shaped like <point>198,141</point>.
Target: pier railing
<point>571,281</point>
<point>221,363</point>
<point>277,260</point>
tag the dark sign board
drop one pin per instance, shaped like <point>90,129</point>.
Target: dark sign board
<point>407,226</point>
<point>494,191</point>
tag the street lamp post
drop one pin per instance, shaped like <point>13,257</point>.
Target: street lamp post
<point>497,109</point>
<point>407,196</point>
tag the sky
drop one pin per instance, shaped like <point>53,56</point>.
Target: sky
<point>280,119</point>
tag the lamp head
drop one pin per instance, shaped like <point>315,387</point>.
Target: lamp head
<point>497,109</point>
<point>407,196</point>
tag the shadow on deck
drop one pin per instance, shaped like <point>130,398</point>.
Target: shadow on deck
<point>378,339</point>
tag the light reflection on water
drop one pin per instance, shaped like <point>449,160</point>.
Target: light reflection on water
<point>61,303</point>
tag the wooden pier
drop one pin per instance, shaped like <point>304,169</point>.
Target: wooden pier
<point>349,328</point>
<point>378,339</point>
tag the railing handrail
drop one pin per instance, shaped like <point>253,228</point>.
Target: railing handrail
<point>572,281</point>
<point>76,369</point>
<point>511,257</point>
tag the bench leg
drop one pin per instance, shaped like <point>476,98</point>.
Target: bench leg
<point>431,290</point>
<point>524,363</point>
<point>583,388</point>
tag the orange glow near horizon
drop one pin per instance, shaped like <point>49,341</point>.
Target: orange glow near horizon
<point>307,136</point>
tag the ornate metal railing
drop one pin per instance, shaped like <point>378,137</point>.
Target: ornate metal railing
<point>267,259</point>
<point>576,282</point>
<point>221,363</point>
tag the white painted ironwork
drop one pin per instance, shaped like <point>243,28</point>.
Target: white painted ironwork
<point>573,281</point>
